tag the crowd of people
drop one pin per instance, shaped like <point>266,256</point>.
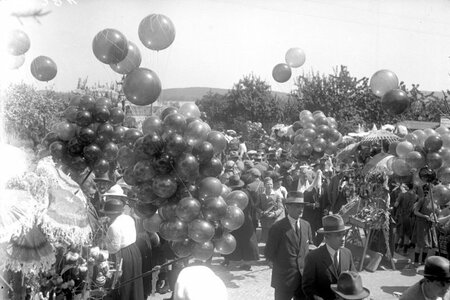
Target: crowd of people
<point>293,211</point>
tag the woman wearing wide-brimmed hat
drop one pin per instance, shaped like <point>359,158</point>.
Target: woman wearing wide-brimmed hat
<point>120,241</point>
<point>246,242</point>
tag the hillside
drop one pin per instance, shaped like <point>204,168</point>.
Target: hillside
<point>192,94</point>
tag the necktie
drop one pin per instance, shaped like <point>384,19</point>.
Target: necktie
<point>336,262</point>
<point>297,228</point>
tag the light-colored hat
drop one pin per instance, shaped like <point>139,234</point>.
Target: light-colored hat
<point>333,223</point>
<point>115,191</point>
<point>295,198</point>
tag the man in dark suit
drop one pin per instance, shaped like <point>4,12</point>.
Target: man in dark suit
<point>324,265</point>
<point>287,245</point>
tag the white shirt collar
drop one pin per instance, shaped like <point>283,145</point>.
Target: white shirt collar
<point>332,252</point>
<point>292,221</point>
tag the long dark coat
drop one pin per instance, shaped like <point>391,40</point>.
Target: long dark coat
<point>319,272</point>
<point>287,251</point>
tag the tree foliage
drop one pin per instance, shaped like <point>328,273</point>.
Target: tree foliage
<point>29,113</point>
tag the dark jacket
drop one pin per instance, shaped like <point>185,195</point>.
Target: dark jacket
<point>319,272</point>
<point>287,251</point>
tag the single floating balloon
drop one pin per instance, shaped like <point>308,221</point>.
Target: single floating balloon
<point>110,46</point>
<point>142,86</point>
<point>295,57</point>
<point>43,68</point>
<point>382,82</point>
<point>156,32</point>
<point>281,73</point>
<point>395,101</point>
<point>17,43</point>
<point>130,62</point>
<point>14,62</point>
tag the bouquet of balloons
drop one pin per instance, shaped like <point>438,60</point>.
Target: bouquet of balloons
<point>172,168</point>
<point>423,157</point>
<point>314,135</point>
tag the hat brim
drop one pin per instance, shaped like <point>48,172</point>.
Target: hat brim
<point>115,196</point>
<point>321,230</point>
<point>422,272</point>
<point>240,184</point>
<point>107,212</point>
<point>296,202</point>
<point>364,293</point>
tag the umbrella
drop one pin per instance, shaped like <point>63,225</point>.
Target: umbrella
<point>380,135</point>
<point>348,152</point>
<point>66,217</point>
<point>378,164</point>
<point>17,212</point>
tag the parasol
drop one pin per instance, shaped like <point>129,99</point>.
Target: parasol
<point>17,212</point>
<point>348,152</point>
<point>378,164</point>
<point>29,252</point>
<point>13,161</point>
<point>380,135</point>
<point>66,217</point>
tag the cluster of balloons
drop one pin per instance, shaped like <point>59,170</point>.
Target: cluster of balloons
<point>17,44</point>
<point>89,136</point>
<point>172,166</point>
<point>314,135</point>
<point>295,57</point>
<point>384,84</point>
<point>423,156</point>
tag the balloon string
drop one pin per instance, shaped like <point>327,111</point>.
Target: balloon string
<point>179,177</point>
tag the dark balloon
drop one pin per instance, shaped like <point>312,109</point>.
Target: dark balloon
<point>167,111</point>
<point>203,251</point>
<point>218,141</point>
<point>200,230</point>
<point>143,171</point>
<point>87,103</point>
<point>71,113</point>
<point>84,118</point>
<point>106,130</point>
<point>183,248</point>
<point>101,166</point>
<point>168,211</point>
<point>434,160</point>
<point>110,46</point>
<point>130,136</point>
<point>116,115</point>
<point>214,208</point>
<point>152,124</point>
<point>395,101</point>
<point>203,151</point>
<point>175,122</point>
<point>175,145</point>
<point>78,163</point>
<point>103,102</point>
<point>144,210</point>
<point>427,175</point>
<point>75,147</point>
<point>152,143</point>
<point>101,114</point>
<point>281,73</point>
<point>86,135</point>
<point>164,186</point>
<point>119,133</point>
<point>187,167</point>
<point>433,143</point>
<point>226,244</point>
<point>209,187</point>
<point>130,62</point>
<point>110,151</point>
<point>65,130</point>
<point>188,209</point>
<point>211,168</point>
<point>142,86</point>
<point>156,32</point>
<point>92,153</point>
<point>163,164</point>
<point>102,140</point>
<point>43,68</point>
<point>174,230</point>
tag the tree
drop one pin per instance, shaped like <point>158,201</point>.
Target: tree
<point>214,106</point>
<point>30,114</point>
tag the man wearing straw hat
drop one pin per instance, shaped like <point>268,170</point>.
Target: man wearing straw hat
<point>324,265</point>
<point>287,245</point>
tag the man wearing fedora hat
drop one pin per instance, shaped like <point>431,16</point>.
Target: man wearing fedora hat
<point>435,283</point>
<point>324,265</point>
<point>350,287</point>
<point>287,245</point>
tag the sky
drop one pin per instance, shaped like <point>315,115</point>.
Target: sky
<point>219,41</point>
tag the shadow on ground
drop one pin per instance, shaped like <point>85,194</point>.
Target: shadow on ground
<point>392,289</point>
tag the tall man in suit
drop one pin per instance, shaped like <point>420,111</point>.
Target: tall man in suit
<point>324,265</point>
<point>286,248</point>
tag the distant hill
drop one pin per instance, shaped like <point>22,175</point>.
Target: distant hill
<point>191,94</point>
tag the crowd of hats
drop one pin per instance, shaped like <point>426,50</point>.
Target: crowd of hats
<point>314,135</point>
<point>171,165</point>
<point>422,157</point>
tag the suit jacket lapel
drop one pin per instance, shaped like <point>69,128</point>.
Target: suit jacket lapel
<point>290,232</point>
<point>328,262</point>
<point>343,262</point>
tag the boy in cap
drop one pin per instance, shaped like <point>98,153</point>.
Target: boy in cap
<point>287,245</point>
<point>435,283</point>
<point>324,265</point>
